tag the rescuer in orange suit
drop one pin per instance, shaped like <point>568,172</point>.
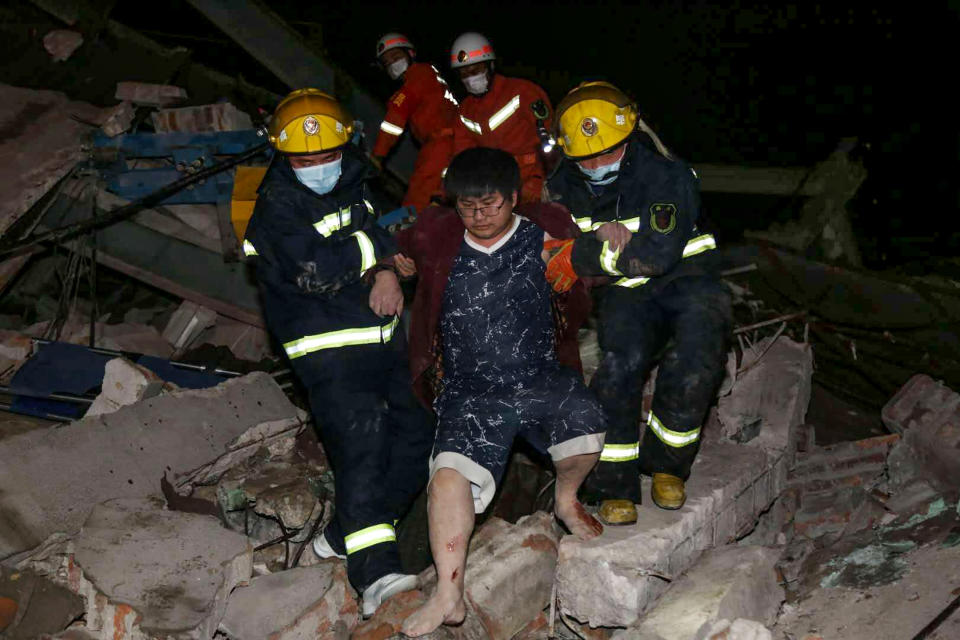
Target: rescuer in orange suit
<point>499,112</point>
<point>427,105</point>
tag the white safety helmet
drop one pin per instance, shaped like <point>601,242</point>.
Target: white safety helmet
<point>393,41</point>
<point>470,48</point>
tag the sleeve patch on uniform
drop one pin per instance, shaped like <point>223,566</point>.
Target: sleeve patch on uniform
<point>399,98</point>
<point>663,217</point>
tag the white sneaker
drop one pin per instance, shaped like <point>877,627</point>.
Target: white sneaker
<point>323,549</point>
<point>389,585</point>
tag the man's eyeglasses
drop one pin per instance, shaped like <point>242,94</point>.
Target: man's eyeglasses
<point>486,210</point>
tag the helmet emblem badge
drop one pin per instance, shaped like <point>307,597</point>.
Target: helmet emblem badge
<point>589,127</point>
<point>621,119</point>
<point>310,125</point>
<point>462,56</point>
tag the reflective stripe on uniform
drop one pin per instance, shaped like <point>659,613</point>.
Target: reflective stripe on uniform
<point>368,256</point>
<point>470,124</point>
<point>620,452</point>
<point>633,224</point>
<point>249,249</point>
<point>368,537</point>
<point>333,222</point>
<point>341,338</point>
<point>608,259</point>
<point>672,438</point>
<point>587,224</point>
<point>505,112</point>
<point>694,246</point>
<point>368,205</point>
<point>390,128</point>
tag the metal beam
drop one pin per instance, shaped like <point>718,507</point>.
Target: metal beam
<point>265,36</point>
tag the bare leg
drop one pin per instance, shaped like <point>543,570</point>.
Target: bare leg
<point>570,475</point>
<point>450,514</point>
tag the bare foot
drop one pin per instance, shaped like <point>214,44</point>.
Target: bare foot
<point>439,609</point>
<point>578,521</point>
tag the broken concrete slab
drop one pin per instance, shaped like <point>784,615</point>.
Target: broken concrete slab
<point>509,576</point>
<point>612,580</point>
<point>61,43</point>
<point>117,119</point>
<point>304,603</point>
<point>53,477</point>
<point>167,573</point>
<point>739,629</point>
<point>770,395</point>
<point>125,383</point>
<point>725,584</point>
<point>151,95</point>
<point>187,322</point>
<point>245,341</point>
<point>927,413</point>
<point>221,116</point>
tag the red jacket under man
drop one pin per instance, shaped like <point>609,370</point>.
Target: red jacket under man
<point>434,242</point>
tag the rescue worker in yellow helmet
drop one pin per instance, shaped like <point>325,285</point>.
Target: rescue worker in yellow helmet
<point>315,243</point>
<point>637,206</point>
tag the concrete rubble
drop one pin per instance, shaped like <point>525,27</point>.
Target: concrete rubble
<point>300,604</point>
<point>61,43</point>
<point>613,580</point>
<point>145,572</point>
<point>188,322</point>
<point>125,383</point>
<point>191,436</point>
<point>727,583</point>
<point>150,95</point>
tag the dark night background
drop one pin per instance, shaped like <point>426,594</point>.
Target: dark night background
<point>745,83</point>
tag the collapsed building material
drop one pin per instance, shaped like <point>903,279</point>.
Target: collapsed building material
<point>53,477</point>
<point>188,322</point>
<point>612,580</point>
<point>770,393</point>
<point>39,605</point>
<point>222,116</point>
<point>508,578</point>
<point>151,95</point>
<point>125,383</point>
<point>299,604</point>
<point>146,572</point>
<point>117,120</point>
<point>61,43</point>
<point>927,413</point>
<point>727,583</point>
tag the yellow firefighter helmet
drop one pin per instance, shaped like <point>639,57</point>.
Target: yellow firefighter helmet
<point>593,118</point>
<point>309,121</point>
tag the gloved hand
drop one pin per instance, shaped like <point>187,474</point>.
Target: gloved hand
<point>560,273</point>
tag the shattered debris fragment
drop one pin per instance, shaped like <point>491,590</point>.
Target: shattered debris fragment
<point>61,43</point>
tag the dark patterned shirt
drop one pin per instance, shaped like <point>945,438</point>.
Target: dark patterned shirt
<point>496,319</point>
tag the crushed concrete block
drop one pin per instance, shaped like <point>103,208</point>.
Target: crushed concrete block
<point>53,477</point>
<point>244,341</point>
<point>117,119</point>
<point>927,413</point>
<point>303,603</point>
<point>61,43</point>
<point>125,383</point>
<point>770,396</point>
<point>151,95</point>
<point>187,322</point>
<point>726,584</point>
<point>612,580</point>
<point>165,573</point>
<point>509,576</point>
<point>221,116</point>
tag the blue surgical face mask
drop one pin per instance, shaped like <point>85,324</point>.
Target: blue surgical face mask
<point>320,178</point>
<point>602,175</point>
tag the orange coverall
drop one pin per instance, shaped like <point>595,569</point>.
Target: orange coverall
<point>502,118</point>
<point>425,102</point>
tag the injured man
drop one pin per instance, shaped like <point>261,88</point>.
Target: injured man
<point>492,322</point>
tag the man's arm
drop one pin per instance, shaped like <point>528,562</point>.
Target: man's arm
<point>655,236</point>
<point>399,108</point>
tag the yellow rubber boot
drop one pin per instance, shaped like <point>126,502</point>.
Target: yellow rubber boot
<point>667,491</point>
<point>617,512</point>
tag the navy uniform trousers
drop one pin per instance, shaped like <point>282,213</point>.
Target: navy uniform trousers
<point>690,317</point>
<point>378,439</point>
